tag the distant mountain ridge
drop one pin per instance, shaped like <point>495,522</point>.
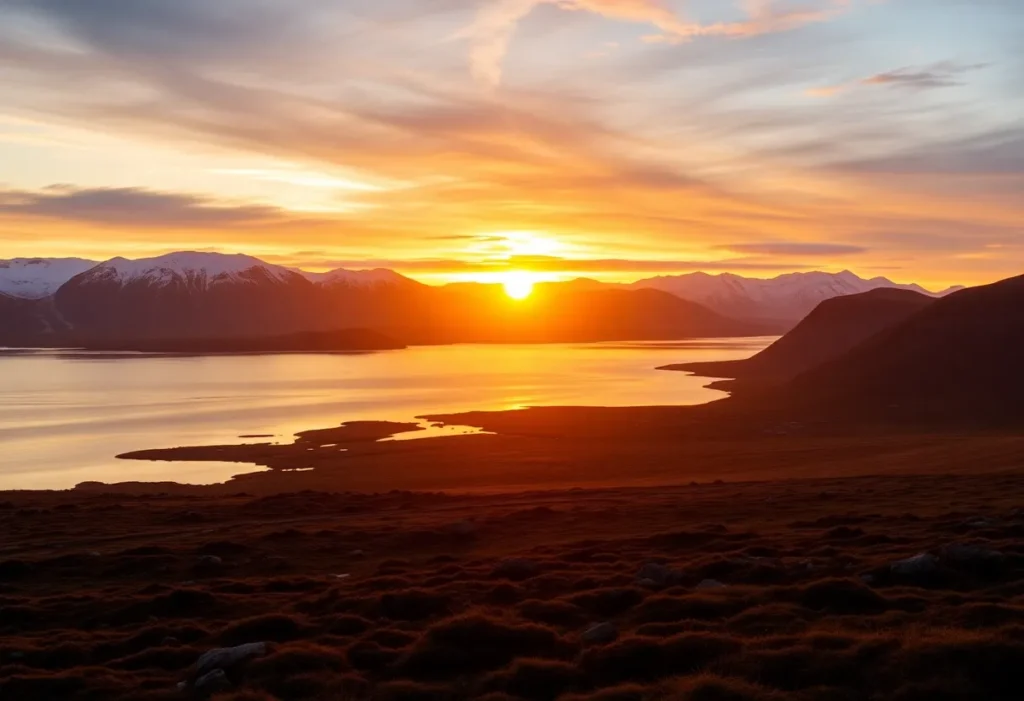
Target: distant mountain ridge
<point>36,278</point>
<point>200,295</point>
<point>786,298</point>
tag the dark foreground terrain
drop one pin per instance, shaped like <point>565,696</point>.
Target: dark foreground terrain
<point>790,589</point>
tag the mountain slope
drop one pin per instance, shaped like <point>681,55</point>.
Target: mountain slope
<point>557,312</point>
<point>959,359</point>
<point>188,295</point>
<point>379,277</point>
<point>834,327</point>
<point>36,278</point>
<point>784,298</point>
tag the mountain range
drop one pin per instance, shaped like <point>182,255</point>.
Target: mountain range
<point>787,298</point>
<point>202,295</point>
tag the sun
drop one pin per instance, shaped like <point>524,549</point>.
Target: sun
<point>518,285</point>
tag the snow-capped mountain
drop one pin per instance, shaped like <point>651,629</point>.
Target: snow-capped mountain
<point>36,278</point>
<point>378,277</point>
<point>189,295</point>
<point>788,297</point>
<point>190,270</point>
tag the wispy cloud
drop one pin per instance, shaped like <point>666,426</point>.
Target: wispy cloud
<point>133,207</point>
<point>495,25</point>
<point>785,248</point>
<point>946,74</point>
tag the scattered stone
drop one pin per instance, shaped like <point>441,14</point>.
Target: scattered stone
<point>600,634</point>
<point>341,576</point>
<point>982,523</point>
<point>227,657</point>
<point>658,575</point>
<point>710,584</point>
<point>516,569</point>
<point>212,683</point>
<point>920,564</point>
<point>964,553</point>
<point>210,562</point>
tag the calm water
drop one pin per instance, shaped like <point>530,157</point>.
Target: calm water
<point>65,415</point>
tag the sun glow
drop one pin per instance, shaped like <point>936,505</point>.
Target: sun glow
<point>518,285</point>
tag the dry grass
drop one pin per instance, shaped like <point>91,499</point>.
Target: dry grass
<point>100,598</point>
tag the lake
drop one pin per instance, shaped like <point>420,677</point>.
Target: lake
<point>65,415</point>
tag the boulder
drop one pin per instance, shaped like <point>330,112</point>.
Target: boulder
<point>600,634</point>
<point>710,584</point>
<point>225,658</point>
<point>920,564</point>
<point>211,683</point>
<point>966,554</point>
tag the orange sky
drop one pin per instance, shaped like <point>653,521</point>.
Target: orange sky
<point>614,139</point>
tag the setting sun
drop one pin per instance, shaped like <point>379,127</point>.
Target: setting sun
<point>518,285</point>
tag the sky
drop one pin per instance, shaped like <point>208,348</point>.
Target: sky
<point>456,139</point>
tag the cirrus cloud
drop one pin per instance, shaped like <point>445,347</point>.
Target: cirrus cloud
<point>495,25</point>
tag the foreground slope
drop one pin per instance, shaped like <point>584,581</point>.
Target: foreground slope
<point>782,591</point>
<point>835,327</point>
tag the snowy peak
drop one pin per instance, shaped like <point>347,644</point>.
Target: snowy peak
<point>198,270</point>
<point>787,297</point>
<point>36,278</point>
<point>379,277</point>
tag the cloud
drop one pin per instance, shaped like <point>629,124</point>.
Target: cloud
<point>495,25</point>
<point>540,264</point>
<point>946,74</point>
<point>133,207</point>
<point>782,248</point>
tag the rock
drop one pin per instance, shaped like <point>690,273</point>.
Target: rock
<point>357,554</point>
<point>209,562</point>
<point>170,642</point>
<point>515,569</point>
<point>710,584</point>
<point>227,657</point>
<point>982,523</point>
<point>964,553</point>
<point>600,634</point>
<point>647,583</point>
<point>211,683</point>
<point>658,575</point>
<point>922,563</point>
<point>868,579</point>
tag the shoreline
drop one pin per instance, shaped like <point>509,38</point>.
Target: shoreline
<point>544,448</point>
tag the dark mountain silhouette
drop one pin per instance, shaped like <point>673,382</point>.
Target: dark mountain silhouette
<point>558,312</point>
<point>835,327</point>
<point>186,297</point>
<point>958,359</point>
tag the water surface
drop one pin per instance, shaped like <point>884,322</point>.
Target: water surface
<point>64,415</point>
